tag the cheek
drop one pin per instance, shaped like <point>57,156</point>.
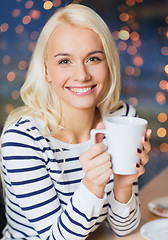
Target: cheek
<point>103,76</point>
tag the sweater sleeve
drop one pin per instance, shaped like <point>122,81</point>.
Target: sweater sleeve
<point>124,218</point>
<point>33,205</point>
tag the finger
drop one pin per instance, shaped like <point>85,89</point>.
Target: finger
<point>145,141</point>
<point>104,178</point>
<point>140,170</point>
<point>94,151</point>
<point>98,171</point>
<point>146,144</point>
<point>97,162</point>
<point>99,136</point>
<point>148,133</point>
<point>144,158</point>
<point>101,160</point>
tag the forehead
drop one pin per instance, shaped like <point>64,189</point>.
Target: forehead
<point>72,37</point>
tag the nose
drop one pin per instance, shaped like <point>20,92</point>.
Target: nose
<point>81,73</point>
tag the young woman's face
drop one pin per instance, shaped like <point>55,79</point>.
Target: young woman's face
<point>76,66</point>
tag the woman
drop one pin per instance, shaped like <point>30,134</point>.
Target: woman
<point>57,185</point>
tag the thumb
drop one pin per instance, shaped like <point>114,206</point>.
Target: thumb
<point>100,136</point>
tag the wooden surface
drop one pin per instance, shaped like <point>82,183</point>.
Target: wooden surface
<point>157,187</point>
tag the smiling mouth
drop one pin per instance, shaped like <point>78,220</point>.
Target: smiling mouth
<point>79,90</point>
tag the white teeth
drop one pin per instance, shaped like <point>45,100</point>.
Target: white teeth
<point>80,90</point>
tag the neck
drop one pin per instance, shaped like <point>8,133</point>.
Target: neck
<point>77,124</point>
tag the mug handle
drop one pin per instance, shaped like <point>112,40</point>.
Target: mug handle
<point>93,133</point>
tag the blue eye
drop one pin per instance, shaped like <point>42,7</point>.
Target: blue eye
<point>64,61</point>
<point>94,59</point>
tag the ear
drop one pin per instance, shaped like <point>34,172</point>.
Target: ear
<point>46,73</point>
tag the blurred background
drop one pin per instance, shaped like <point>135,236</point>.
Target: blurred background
<point>140,30</point>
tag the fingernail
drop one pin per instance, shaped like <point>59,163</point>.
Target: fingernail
<point>145,138</point>
<point>139,150</point>
<point>137,165</point>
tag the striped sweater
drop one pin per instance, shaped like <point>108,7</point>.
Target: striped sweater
<point>39,205</point>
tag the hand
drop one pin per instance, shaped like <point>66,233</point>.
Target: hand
<point>96,164</point>
<point>123,183</point>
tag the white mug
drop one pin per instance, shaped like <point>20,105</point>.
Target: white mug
<point>123,136</point>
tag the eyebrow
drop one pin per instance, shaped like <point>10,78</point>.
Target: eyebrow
<point>67,54</point>
<point>62,54</point>
<point>97,51</point>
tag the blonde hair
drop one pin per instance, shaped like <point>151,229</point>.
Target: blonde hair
<point>37,94</point>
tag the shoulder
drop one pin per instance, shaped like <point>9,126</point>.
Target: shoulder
<point>26,128</point>
<point>124,109</point>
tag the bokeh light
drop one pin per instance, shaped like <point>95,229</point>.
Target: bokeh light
<point>124,17</point>
<point>137,72</point>
<point>3,44</point>
<point>162,117</point>
<point>124,35</point>
<point>163,85</point>
<point>129,70</point>
<point>137,43</point>
<point>19,29</point>
<point>8,108</point>
<point>134,36</point>
<point>26,19</point>
<point>16,12</point>
<point>138,61</point>
<point>164,147</point>
<point>11,76</point>
<point>34,35</point>
<point>15,94</point>
<point>6,60</point>
<point>166,68</point>
<point>22,65</point>
<point>130,3</point>
<point>133,101</point>
<point>56,3</point>
<point>132,50</point>
<point>31,46</point>
<point>4,27</point>
<point>160,97</point>
<point>122,46</point>
<point>34,14</point>
<point>166,19</point>
<point>164,51</point>
<point>161,132</point>
<point>29,4</point>
<point>115,35</point>
<point>48,5</point>
<point>122,7</point>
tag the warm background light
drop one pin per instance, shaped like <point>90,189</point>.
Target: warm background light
<point>124,35</point>
<point>160,97</point>
<point>166,68</point>
<point>6,60</point>
<point>164,147</point>
<point>26,19</point>
<point>19,29</point>
<point>161,132</point>
<point>162,117</point>
<point>29,4</point>
<point>48,5</point>
<point>11,76</point>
